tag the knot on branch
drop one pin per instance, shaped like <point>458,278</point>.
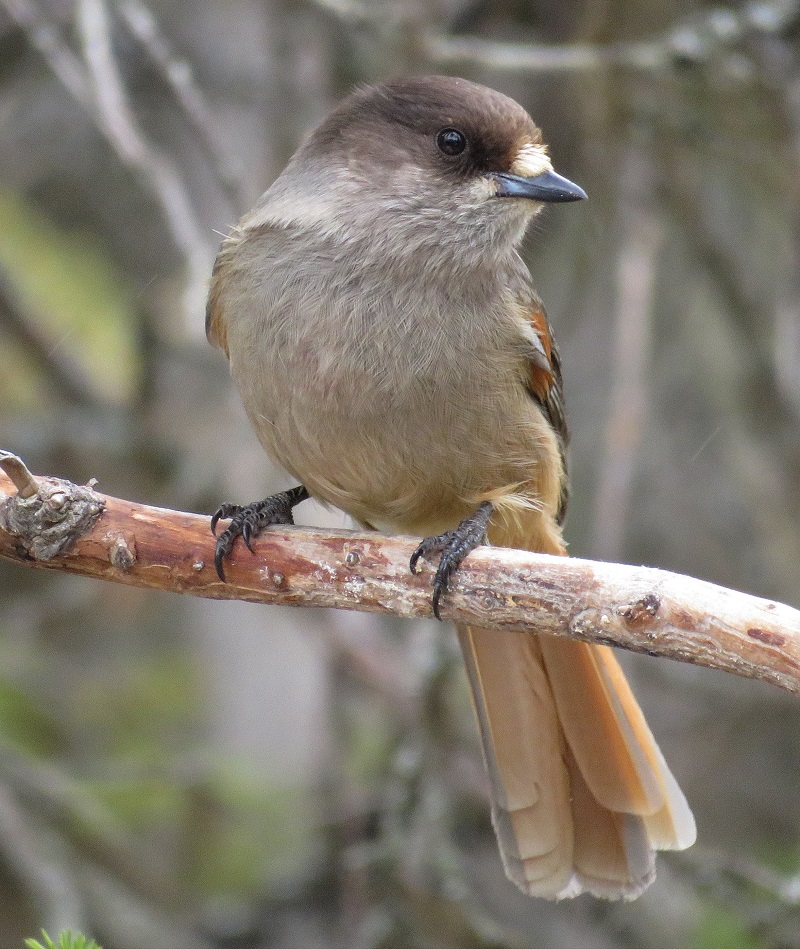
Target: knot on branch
<point>49,521</point>
<point>641,610</point>
<point>613,622</point>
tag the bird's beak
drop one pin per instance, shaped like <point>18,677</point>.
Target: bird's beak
<point>548,186</point>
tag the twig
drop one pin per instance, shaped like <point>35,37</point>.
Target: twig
<point>637,608</point>
<point>18,473</point>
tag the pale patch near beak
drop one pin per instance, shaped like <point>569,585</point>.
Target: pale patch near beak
<point>531,160</point>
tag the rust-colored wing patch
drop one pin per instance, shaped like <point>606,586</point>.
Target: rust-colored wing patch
<point>541,376</point>
<point>544,372</point>
<point>545,386</point>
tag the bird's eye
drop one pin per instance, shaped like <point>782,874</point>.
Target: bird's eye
<point>451,142</point>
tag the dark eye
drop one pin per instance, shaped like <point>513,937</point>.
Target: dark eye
<point>451,141</point>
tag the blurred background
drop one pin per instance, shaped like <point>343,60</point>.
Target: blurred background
<point>181,773</point>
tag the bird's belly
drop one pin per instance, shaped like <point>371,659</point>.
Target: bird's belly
<point>415,461</point>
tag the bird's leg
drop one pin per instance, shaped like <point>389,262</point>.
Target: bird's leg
<point>248,520</point>
<point>453,547</point>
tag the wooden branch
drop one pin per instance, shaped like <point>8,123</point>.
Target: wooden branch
<point>75,529</point>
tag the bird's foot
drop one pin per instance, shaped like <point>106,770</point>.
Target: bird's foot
<point>453,546</point>
<point>248,520</point>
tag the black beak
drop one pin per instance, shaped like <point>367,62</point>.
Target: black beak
<point>545,187</point>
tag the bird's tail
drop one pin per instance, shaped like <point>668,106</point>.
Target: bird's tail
<point>581,795</point>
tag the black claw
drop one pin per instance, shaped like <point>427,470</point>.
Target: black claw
<point>438,590</point>
<point>453,546</point>
<point>247,521</point>
<point>223,513</point>
<point>430,545</point>
<point>220,553</point>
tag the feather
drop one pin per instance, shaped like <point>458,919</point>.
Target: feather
<point>523,755</point>
<point>581,795</point>
<point>613,856</point>
<point>597,725</point>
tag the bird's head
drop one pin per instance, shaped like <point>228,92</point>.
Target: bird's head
<point>434,160</point>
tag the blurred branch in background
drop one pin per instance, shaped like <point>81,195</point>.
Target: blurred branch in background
<point>45,36</point>
<point>641,240</point>
<point>37,856</point>
<point>698,39</point>
<point>96,82</point>
<point>180,76</point>
<point>161,176</point>
<point>49,826</point>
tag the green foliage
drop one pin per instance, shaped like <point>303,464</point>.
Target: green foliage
<point>723,929</point>
<point>68,283</point>
<point>25,722</point>
<point>139,709</point>
<point>253,836</point>
<point>66,940</point>
<point>785,861</point>
<point>369,742</point>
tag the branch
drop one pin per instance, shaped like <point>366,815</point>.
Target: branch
<point>77,530</point>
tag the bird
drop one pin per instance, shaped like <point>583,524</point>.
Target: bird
<point>394,358</point>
